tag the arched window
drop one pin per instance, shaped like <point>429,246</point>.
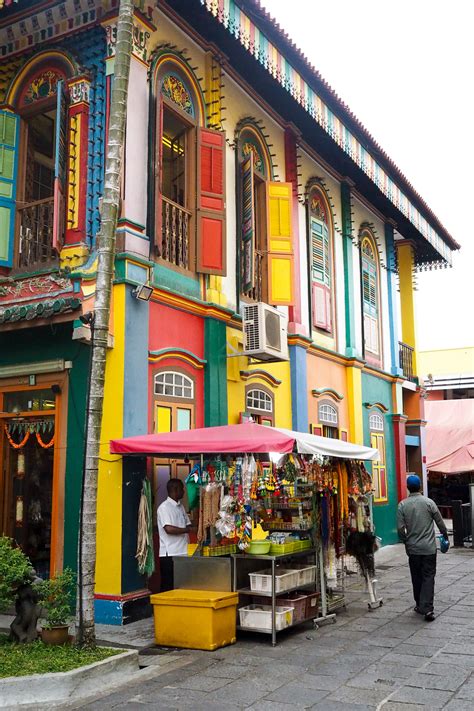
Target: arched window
<point>376,422</point>
<point>34,147</point>
<point>254,167</point>
<point>174,395</point>
<point>174,384</point>
<point>328,417</point>
<point>188,169</point>
<point>328,414</point>
<point>379,466</point>
<point>370,296</point>
<point>259,403</point>
<point>320,247</point>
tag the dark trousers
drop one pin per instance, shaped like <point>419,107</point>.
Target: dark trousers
<point>166,573</point>
<point>423,571</point>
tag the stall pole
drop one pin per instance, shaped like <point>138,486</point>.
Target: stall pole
<point>273,604</point>
<point>324,605</point>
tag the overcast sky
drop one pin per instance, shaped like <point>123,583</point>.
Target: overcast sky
<point>405,68</point>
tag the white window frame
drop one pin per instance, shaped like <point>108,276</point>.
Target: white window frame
<point>328,414</point>
<point>255,397</point>
<point>174,380</point>
<point>376,423</point>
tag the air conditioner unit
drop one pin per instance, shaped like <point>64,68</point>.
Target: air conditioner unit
<point>265,332</point>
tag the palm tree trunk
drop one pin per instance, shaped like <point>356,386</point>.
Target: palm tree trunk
<point>85,630</point>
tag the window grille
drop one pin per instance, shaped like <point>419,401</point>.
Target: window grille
<point>174,384</point>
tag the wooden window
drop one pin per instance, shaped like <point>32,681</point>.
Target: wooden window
<point>189,182</point>
<point>320,250</point>
<point>370,297</point>
<point>267,271</point>
<point>9,137</point>
<point>379,466</point>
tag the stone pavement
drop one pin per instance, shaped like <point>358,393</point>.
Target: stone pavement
<point>387,659</point>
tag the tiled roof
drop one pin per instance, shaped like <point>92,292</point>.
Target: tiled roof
<point>40,309</point>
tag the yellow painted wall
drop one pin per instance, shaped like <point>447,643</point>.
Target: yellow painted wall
<point>109,496</point>
<point>446,361</point>
<point>354,395</point>
<point>236,386</point>
<point>407,297</point>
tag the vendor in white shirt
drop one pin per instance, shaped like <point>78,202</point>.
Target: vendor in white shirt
<point>174,525</point>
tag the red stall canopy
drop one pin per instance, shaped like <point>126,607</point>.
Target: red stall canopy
<point>228,439</point>
<point>450,436</point>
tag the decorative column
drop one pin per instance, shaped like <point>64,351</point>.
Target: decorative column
<point>392,298</point>
<point>354,401</point>
<point>406,267</point>
<point>347,246</point>
<point>215,374</point>
<point>298,349</point>
<point>295,324</point>
<point>75,250</point>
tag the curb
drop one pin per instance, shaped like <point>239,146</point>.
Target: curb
<point>60,686</point>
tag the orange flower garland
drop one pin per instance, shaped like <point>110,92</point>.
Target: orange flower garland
<point>14,444</point>
<point>42,444</point>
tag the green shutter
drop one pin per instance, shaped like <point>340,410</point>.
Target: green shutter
<point>9,124</point>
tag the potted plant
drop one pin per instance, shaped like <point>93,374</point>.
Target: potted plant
<point>16,589</point>
<point>55,597</point>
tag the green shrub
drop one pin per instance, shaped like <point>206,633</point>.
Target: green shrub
<point>15,570</point>
<point>55,597</point>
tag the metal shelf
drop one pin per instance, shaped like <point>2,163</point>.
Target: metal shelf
<point>258,593</point>
<point>264,631</point>
<point>279,556</point>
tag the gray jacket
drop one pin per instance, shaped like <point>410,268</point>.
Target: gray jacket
<point>415,518</point>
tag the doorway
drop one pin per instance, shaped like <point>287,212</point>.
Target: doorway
<point>27,473</point>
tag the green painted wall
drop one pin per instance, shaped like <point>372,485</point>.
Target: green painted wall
<point>37,344</point>
<point>377,390</point>
<point>215,374</point>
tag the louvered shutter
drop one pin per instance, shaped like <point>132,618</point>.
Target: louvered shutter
<point>211,237</point>
<point>158,170</point>
<point>60,165</point>
<point>279,243</point>
<point>321,275</point>
<point>319,306</point>
<point>9,137</point>
<point>248,225</point>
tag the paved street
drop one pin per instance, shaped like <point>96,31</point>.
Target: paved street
<point>389,658</point>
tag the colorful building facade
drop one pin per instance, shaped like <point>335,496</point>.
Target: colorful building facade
<point>246,181</point>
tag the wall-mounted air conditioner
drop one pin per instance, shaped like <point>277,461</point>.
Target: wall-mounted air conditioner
<point>265,332</point>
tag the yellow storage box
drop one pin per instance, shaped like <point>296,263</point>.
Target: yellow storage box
<point>195,619</point>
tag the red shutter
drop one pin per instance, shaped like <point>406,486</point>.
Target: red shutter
<point>343,436</point>
<point>316,430</point>
<point>211,242</point>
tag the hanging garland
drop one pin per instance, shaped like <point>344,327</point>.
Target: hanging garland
<point>14,444</point>
<point>42,444</point>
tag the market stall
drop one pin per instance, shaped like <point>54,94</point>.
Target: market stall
<point>283,505</point>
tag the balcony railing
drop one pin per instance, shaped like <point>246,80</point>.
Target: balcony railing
<point>175,233</point>
<point>36,233</point>
<point>406,361</point>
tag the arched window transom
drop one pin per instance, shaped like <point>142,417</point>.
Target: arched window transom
<point>174,384</point>
<point>376,422</point>
<point>175,89</point>
<point>259,400</point>
<point>328,414</point>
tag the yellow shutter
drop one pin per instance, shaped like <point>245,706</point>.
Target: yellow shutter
<point>163,419</point>
<point>279,243</point>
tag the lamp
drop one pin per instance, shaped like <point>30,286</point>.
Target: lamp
<point>143,292</point>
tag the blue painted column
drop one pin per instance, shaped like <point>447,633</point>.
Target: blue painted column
<point>299,388</point>
<point>392,299</point>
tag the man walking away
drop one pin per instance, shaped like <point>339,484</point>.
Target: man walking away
<point>173,526</point>
<point>415,518</point>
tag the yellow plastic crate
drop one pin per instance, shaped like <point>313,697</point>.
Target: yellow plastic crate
<point>282,548</point>
<point>195,619</point>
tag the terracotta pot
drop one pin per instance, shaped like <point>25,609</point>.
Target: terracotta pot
<point>55,635</point>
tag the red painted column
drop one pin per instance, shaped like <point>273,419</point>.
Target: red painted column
<point>78,151</point>
<point>291,175</point>
<point>399,422</point>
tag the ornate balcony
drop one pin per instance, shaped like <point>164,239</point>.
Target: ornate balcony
<point>175,233</point>
<point>35,247</point>
<point>406,361</point>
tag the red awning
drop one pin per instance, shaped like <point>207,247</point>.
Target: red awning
<point>228,439</point>
<point>450,436</point>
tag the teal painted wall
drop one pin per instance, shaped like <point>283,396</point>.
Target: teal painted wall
<point>37,344</point>
<point>377,390</point>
